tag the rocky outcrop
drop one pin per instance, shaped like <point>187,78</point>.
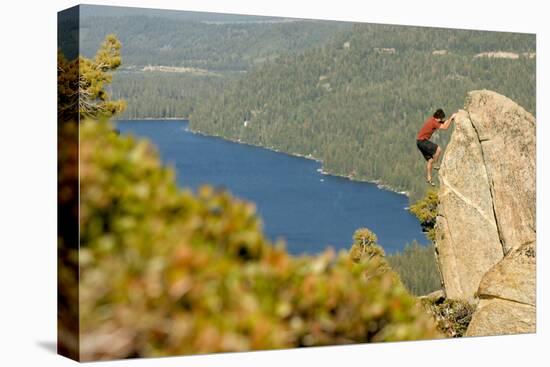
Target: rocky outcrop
<point>513,278</point>
<point>485,229</point>
<point>507,296</point>
<point>501,317</point>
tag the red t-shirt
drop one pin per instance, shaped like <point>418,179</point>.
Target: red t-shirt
<point>431,125</point>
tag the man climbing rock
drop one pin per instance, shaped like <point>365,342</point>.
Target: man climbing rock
<point>430,150</point>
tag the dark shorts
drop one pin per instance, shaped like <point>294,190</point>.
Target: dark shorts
<point>427,148</point>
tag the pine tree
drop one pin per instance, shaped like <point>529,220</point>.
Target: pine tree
<point>81,83</point>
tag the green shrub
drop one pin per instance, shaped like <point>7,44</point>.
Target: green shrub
<point>417,267</point>
<point>452,316</point>
<point>425,210</point>
<point>364,245</point>
<point>165,271</point>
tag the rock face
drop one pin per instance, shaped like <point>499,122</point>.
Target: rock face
<point>485,229</point>
<point>507,296</point>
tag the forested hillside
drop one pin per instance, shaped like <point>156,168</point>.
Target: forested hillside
<point>165,95</point>
<point>202,50</point>
<point>193,41</point>
<point>358,102</point>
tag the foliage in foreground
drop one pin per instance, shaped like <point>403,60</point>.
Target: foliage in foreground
<point>165,271</point>
<point>417,268</point>
<point>81,93</point>
<point>425,210</point>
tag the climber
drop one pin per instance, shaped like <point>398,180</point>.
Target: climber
<point>430,150</point>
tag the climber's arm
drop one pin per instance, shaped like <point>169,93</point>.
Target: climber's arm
<point>447,123</point>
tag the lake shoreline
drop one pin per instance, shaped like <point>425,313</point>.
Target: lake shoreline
<point>307,205</point>
<point>323,171</point>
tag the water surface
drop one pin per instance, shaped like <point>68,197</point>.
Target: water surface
<point>309,210</point>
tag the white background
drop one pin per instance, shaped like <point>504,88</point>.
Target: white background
<point>28,181</point>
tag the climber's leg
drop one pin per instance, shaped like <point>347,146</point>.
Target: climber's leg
<point>428,150</point>
<point>436,157</point>
<point>429,165</point>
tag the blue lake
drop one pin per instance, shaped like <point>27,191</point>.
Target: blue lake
<point>309,210</point>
